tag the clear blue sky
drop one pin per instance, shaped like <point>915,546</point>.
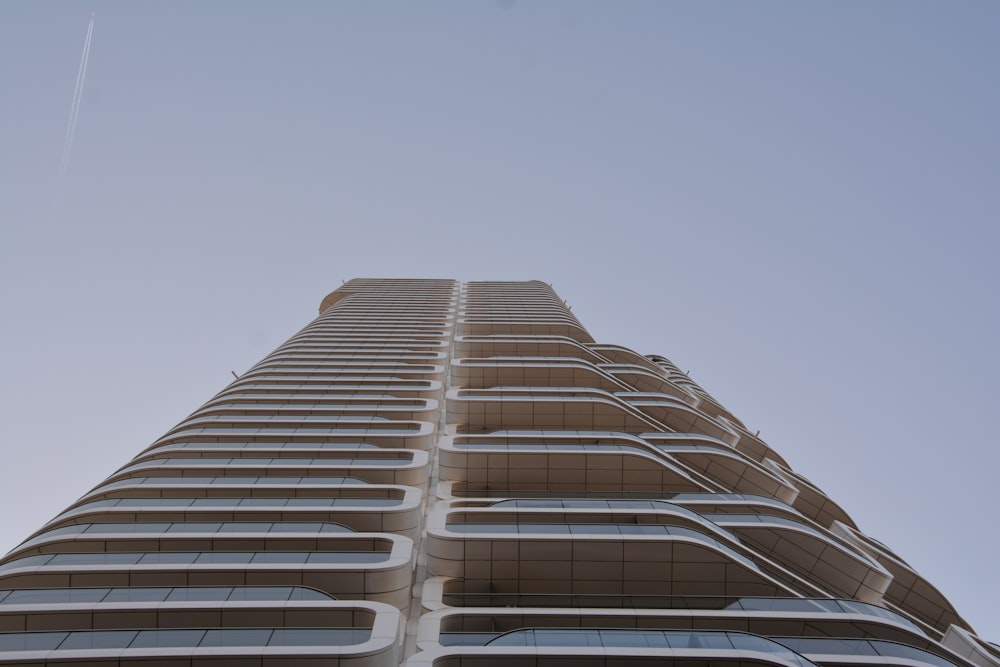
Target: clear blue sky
<point>797,201</point>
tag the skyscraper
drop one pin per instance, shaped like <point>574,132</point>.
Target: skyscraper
<point>433,473</point>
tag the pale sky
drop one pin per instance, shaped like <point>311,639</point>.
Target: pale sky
<point>797,201</point>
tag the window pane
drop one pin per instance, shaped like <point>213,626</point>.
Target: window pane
<point>237,637</point>
<point>157,638</point>
<point>137,595</point>
<point>30,641</point>
<point>99,639</point>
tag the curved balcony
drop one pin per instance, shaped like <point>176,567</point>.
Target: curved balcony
<point>647,638</point>
<point>591,516</point>
<point>641,378</point>
<point>550,647</point>
<point>314,405</point>
<point>811,501</point>
<point>219,485</point>
<point>333,385</point>
<point>908,590</point>
<point>345,350</point>
<point>367,567</point>
<point>376,466</point>
<point>972,648</point>
<point>372,509</point>
<point>479,373</point>
<point>396,288</point>
<point>763,615</point>
<point>590,558</point>
<point>96,599</point>
<point>728,468</point>
<point>348,369</point>
<point>570,408</point>
<point>547,325</point>
<point>287,446</point>
<point>674,500</point>
<point>316,341</point>
<point>841,651</point>
<point>499,345</point>
<point>483,618</point>
<point>511,461</point>
<point>391,434</point>
<point>619,354</point>
<point>811,553</point>
<point>678,415</point>
<point>150,530</point>
<point>360,634</point>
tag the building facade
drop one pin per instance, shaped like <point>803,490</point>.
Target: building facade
<point>442,474</point>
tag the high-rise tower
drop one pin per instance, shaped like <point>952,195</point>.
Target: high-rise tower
<point>438,474</point>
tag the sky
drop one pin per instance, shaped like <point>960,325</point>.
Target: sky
<point>796,201</point>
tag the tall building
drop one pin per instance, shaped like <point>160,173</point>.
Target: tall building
<point>433,473</point>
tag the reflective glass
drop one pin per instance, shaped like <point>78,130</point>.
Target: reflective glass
<point>897,650</point>
<point>94,559</point>
<point>237,637</point>
<point>260,593</point>
<point>166,638</point>
<point>263,502</point>
<point>567,638</point>
<point>30,641</point>
<point>624,638</point>
<point>55,595</point>
<point>511,639</point>
<point>282,557</point>
<point>225,557</point>
<point>300,593</point>
<point>245,527</point>
<point>137,595</point>
<point>193,527</point>
<point>98,639</point>
<point>168,558</point>
<point>542,528</point>
<point>347,557</point>
<point>335,528</point>
<point>297,527</point>
<point>199,593</point>
<point>319,636</point>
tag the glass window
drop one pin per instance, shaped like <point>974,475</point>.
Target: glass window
<point>237,637</point>
<point>198,593</point>
<point>168,558</point>
<point>164,638</point>
<point>245,527</point>
<point>30,641</point>
<point>282,557</point>
<point>185,527</point>
<point>225,557</point>
<point>299,593</point>
<point>55,595</point>
<point>137,595</point>
<point>213,502</point>
<point>297,527</point>
<point>347,557</point>
<point>318,636</point>
<point>95,559</point>
<point>567,638</point>
<point>100,639</point>
<point>260,593</point>
<point>624,638</point>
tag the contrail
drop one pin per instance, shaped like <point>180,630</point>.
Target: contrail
<point>74,111</point>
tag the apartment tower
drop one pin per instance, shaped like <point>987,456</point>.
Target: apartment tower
<point>441,474</point>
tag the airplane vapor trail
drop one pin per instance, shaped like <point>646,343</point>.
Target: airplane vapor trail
<point>74,111</point>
